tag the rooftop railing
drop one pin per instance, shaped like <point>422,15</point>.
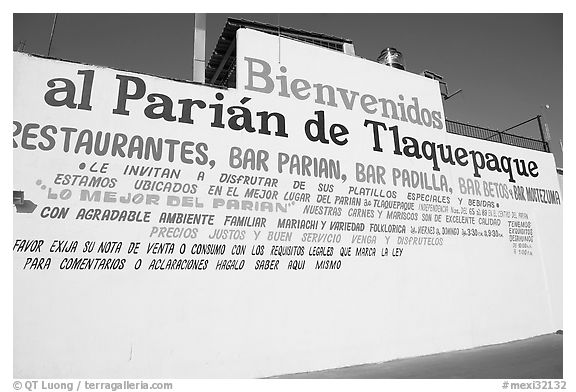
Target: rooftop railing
<point>477,132</point>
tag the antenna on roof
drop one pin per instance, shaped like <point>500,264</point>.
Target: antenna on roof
<point>52,34</point>
<point>278,38</point>
<point>443,85</point>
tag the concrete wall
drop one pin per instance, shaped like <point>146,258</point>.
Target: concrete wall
<point>405,300</point>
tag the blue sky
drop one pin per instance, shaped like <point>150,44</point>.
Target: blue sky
<point>508,65</point>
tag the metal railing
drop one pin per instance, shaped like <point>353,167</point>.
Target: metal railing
<point>477,132</point>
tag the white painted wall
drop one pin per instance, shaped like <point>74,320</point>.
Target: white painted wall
<point>226,324</point>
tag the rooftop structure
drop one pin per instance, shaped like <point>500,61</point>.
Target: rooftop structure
<point>220,70</point>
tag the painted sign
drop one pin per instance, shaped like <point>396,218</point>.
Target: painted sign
<point>168,229</point>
